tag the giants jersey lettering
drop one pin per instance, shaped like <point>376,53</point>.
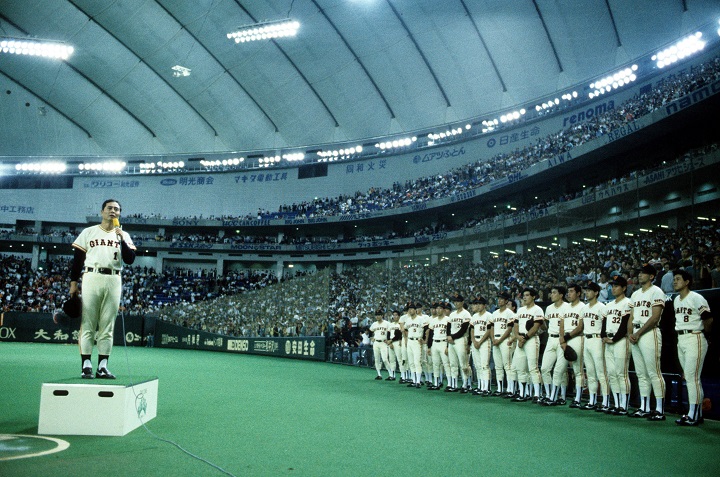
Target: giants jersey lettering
<point>525,314</point>
<point>414,327</point>
<point>502,320</point>
<point>457,319</point>
<point>614,311</point>
<point>379,330</point>
<point>479,323</point>
<point>439,327</point>
<point>592,317</point>
<point>392,327</point>
<point>553,315</point>
<point>642,303</point>
<point>688,311</point>
<point>572,319</point>
<point>101,247</point>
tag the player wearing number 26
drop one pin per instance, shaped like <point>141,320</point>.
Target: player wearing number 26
<point>100,251</point>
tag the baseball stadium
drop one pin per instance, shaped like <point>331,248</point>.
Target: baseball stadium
<point>314,237</point>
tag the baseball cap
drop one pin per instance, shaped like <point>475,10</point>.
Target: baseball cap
<point>479,301</point>
<point>593,286</point>
<point>505,295</point>
<point>379,312</point>
<point>457,297</point>
<point>620,281</point>
<point>447,306</point>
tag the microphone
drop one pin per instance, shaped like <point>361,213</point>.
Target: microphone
<point>116,224</point>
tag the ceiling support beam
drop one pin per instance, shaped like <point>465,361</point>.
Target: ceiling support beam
<point>547,32</point>
<point>612,20</point>
<point>357,58</point>
<point>422,55</point>
<point>487,50</point>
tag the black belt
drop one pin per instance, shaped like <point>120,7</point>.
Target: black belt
<point>414,339</point>
<point>103,271</point>
<point>684,332</point>
<point>439,341</point>
<point>478,337</point>
<point>636,326</point>
<point>593,336</point>
<point>554,336</point>
<point>610,335</point>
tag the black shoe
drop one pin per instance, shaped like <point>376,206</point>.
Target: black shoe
<point>87,373</point>
<point>548,402</point>
<point>604,409</point>
<point>485,393</point>
<point>575,404</point>
<point>608,409</point>
<point>464,390</point>
<point>589,407</point>
<point>640,413</point>
<point>411,385</point>
<point>450,389</point>
<point>508,395</point>
<point>620,411</point>
<point>561,402</point>
<point>520,399</point>
<point>656,416</point>
<point>686,421</point>
<point>476,392</point>
<point>103,373</point>
<point>498,393</point>
<point>378,378</point>
<point>389,378</point>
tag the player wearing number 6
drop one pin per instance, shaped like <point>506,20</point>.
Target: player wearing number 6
<point>692,323</point>
<point>100,251</point>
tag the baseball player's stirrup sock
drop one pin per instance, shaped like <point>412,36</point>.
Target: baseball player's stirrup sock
<point>563,391</point>
<point>499,386</point>
<point>85,359</point>
<point>537,389</point>
<point>592,399</point>
<point>578,393</point>
<point>624,398</point>
<point>691,413</point>
<point>549,390</point>
<point>660,405</point>
<point>102,361</point>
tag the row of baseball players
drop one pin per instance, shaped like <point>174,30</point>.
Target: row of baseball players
<point>603,337</point>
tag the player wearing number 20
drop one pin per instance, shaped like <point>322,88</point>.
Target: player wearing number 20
<point>100,251</point>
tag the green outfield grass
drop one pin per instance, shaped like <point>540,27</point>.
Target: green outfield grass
<point>254,415</point>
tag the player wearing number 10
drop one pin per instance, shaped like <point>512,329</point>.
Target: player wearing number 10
<point>100,251</point>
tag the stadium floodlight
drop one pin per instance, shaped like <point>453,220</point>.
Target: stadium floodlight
<point>32,47</point>
<point>613,81</point>
<point>294,157</point>
<point>400,143</point>
<point>107,166</point>
<point>684,48</point>
<point>48,167</point>
<point>264,31</point>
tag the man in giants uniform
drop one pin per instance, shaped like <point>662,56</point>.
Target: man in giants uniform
<point>458,352</point>
<point>553,355</point>
<point>380,341</point>
<point>616,328</point>
<point>100,251</point>
<point>481,330</point>
<point>525,359</point>
<point>503,319</point>
<point>394,352</point>
<point>437,342</point>
<point>692,322</point>
<point>571,335</point>
<point>591,326</point>
<point>647,304</point>
<point>415,328</point>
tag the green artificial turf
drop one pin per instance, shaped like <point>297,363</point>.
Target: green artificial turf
<point>254,415</point>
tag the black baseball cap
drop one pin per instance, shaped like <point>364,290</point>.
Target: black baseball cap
<point>504,295</point>
<point>593,286</point>
<point>479,301</point>
<point>648,269</point>
<point>619,281</point>
<point>457,297</point>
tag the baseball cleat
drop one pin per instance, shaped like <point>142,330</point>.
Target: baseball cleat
<point>476,392</point>
<point>608,409</point>
<point>464,390</point>
<point>656,416</point>
<point>548,402</point>
<point>498,393</point>
<point>604,409</point>
<point>561,402</point>
<point>103,373</point>
<point>620,411</point>
<point>686,421</point>
<point>575,404</point>
<point>87,373</point>
<point>589,407</point>
<point>378,378</point>
<point>520,399</point>
<point>388,378</point>
<point>640,413</point>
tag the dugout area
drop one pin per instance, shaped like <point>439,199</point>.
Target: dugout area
<point>255,415</point>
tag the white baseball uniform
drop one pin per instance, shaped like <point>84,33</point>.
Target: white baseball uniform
<point>379,330</point>
<point>502,353</point>
<point>617,354</point>
<point>458,350</point>
<point>101,286</point>
<point>439,326</point>
<point>646,352</point>
<point>553,354</point>
<point>481,356</point>
<point>525,358</point>
<point>692,345</point>
<point>594,356</point>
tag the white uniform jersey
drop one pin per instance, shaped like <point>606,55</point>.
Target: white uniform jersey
<point>614,311</point>
<point>642,303</point>
<point>457,319</point>
<point>593,317</point>
<point>403,319</point>
<point>414,327</point>
<point>688,311</point>
<point>573,316</point>
<point>438,325</point>
<point>525,314</point>
<point>553,315</point>
<point>380,330</point>
<point>480,323</point>
<point>425,320</point>
<point>392,327</point>
<point>502,320</point>
<point>101,247</point>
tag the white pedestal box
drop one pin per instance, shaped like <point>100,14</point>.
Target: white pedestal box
<point>97,407</point>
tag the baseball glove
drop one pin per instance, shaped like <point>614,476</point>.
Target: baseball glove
<point>73,307</point>
<point>570,353</point>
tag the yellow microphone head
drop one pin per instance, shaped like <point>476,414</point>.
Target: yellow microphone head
<point>116,222</point>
